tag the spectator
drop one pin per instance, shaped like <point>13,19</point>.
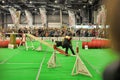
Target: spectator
<point>112,72</point>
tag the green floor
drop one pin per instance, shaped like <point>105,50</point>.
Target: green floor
<point>19,64</point>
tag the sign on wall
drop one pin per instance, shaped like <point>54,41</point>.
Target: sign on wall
<point>43,16</point>
<point>101,17</point>
<point>15,16</point>
<point>29,18</point>
<point>71,18</point>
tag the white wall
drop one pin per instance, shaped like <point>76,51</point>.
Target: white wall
<point>37,19</point>
<point>51,19</point>
<point>65,19</point>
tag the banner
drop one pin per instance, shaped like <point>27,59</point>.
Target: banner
<point>15,16</point>
<point>43,16</point>
<point>101,17</point>
<point>98,19</point>
<point>29,18</point>
<point>71,18</point>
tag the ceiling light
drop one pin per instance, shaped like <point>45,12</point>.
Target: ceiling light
<point>30,2</point>
<point>55,1</point>
<point>90,2</point>
<point>3,1</point>
<point>84,6</point>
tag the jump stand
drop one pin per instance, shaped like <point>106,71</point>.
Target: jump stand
<point>53,61</point>
<point>79,66</point>
<point>24,42</point>
<point>39,48</point>
<point>60,50</point>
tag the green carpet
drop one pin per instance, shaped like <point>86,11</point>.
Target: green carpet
<point>19,64</point>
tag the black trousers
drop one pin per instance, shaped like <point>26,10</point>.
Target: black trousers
<point>69,47</point>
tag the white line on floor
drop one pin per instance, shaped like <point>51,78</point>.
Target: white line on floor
<point>97,71</point>
<point>38,74</point>
<point>7,58</point>
<point>21,63</point>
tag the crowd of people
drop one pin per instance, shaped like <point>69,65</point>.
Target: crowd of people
<point>58,32</point>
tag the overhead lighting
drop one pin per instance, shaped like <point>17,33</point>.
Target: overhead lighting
<point>55,1</point>
<point>30,2</point>
<point>84,6</point>
<point>90,2</point>
<point>3,1</point>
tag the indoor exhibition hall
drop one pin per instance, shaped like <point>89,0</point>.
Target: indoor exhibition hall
<point>59,40</point>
